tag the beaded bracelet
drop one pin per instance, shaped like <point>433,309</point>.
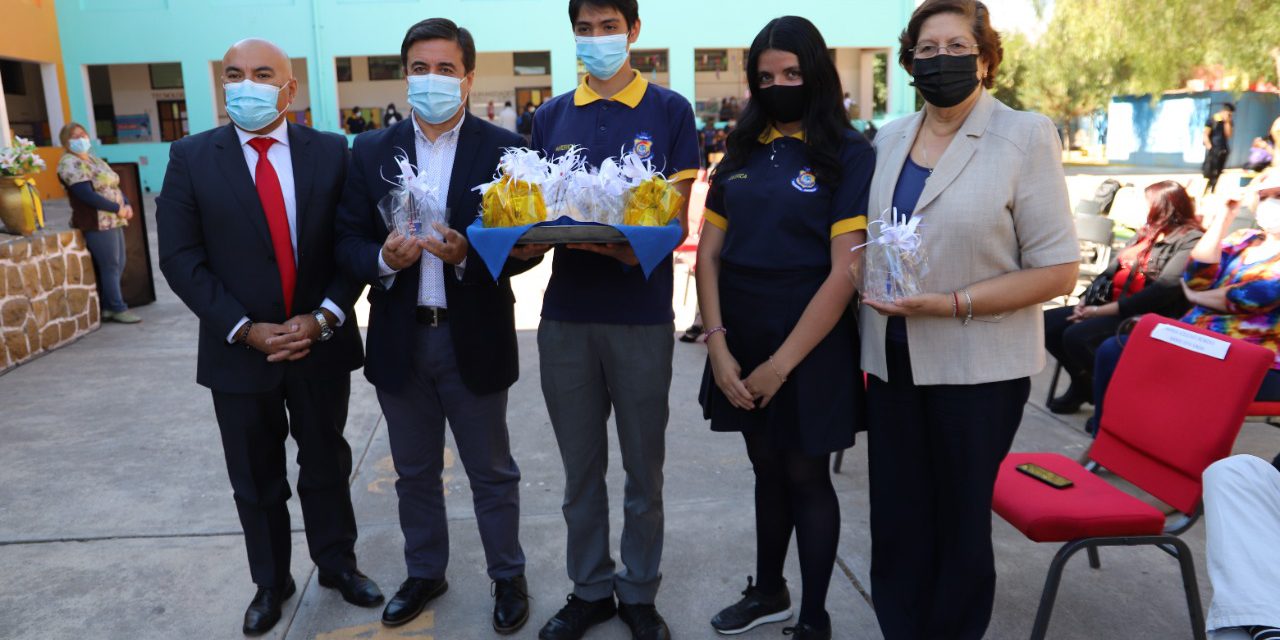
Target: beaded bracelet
<point>706,335</point>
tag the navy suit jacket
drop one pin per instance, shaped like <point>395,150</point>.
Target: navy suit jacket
<point>216,253</point>
<point>481,311</point>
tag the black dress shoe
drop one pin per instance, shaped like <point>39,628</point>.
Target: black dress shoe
<point>1070,401</point>
<point>804,631</point>
<point>578,615</point>
<point>411,599</point>
<point>264,612</point>
<point>691,334</point>
<point>510,604</point>
<point>645,622</point>
<point>355,587</point>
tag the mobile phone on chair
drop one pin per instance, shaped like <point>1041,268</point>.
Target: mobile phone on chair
<point>1046,476</point>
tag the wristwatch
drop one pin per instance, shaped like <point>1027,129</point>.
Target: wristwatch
<point>325,331</point>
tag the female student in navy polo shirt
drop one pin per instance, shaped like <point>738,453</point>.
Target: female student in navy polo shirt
<point>786,207</point>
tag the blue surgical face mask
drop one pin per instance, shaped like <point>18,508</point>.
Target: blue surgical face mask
<point>603,56</point>
<point>252,106</point>
<point>435,98</point>
<point>79,145</point>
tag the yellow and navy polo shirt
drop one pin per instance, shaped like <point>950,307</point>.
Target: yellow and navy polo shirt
<point>656,123</point>
<point>776,214</point>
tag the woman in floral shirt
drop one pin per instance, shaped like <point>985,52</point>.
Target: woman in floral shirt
<point>100,210</point>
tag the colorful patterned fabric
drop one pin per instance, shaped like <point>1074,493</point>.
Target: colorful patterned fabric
<point>73,169</point>
<point>1253,313</point>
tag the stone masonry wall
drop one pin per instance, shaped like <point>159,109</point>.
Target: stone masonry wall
<point>48,294</point>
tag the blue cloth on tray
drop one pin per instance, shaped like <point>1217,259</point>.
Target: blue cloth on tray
<point>651,244</point>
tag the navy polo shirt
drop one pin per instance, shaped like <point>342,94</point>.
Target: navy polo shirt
<point>653,121</point>
<point>777,215</point>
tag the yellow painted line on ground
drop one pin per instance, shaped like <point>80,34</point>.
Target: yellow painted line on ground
<point>419,629</point>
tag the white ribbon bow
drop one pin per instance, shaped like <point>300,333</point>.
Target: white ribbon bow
<point>897,232</point>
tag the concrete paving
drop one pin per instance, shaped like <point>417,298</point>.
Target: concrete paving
<point>116,518</point>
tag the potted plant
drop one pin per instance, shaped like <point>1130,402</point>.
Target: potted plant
<point>20,208</point>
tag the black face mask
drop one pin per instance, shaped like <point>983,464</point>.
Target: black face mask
<point>783,103</point>
<point>945,81</point>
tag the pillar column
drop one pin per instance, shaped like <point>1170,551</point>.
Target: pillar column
<point>197,89</point>
<point>564,66</point>
<point>681,65</point>
<point>6,134</point>
<point>866,91</point>
<point>52,100</point>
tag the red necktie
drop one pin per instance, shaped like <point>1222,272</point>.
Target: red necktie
<point>272,198</point>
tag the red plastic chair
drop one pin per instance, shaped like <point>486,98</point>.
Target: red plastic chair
<point>1170,412</point>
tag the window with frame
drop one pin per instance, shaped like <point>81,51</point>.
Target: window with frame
<point>343,68</point>
<point>167,75</point>
<point>531,63</point>
<point>711,60</point>
<point>385,68</point>
<point>649,61</point>
<point>15,81</point>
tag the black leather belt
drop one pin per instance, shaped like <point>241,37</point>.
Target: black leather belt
<point>431,316</point>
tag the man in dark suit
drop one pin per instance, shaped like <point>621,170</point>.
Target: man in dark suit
<point>441,338</point>
<point>246,222</point>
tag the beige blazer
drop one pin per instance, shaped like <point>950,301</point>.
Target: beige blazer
<point>996,203</point>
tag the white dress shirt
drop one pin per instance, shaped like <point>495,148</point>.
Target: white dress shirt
<point>282,161</point>
<point>435,159</point>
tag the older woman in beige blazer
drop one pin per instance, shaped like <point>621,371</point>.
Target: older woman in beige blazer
<point>949,369</point>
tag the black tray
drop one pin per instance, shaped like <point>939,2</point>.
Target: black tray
<point>572,234</point>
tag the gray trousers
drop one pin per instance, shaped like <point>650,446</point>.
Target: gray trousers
<point>416,416</point>
<point>587,369</point>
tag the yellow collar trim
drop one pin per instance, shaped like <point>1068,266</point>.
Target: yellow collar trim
<point>773,134</point>
<point>630,94</point>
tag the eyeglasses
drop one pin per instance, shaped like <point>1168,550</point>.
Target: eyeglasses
<point>926,51</point>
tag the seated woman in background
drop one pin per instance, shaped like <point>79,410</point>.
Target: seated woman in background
<point>1143,278</point>
<point>1234,287</point>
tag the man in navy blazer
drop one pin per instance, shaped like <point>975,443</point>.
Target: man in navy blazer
<point>246,226</point>
<point>441,337</point>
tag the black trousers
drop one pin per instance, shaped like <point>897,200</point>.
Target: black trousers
<point>1074,343</point>
<point>1215,161</point>
<point>254,428</point>
<point>934,454</point>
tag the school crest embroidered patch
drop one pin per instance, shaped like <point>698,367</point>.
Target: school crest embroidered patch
<point>806,182</point>
<point>643,145</point>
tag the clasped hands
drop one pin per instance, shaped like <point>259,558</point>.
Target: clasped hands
<point>753,392</point>
<point>289,341</point>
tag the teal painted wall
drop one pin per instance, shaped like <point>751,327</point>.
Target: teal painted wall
<point>197,32</point>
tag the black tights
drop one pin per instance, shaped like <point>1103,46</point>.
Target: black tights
<point>794,490</point>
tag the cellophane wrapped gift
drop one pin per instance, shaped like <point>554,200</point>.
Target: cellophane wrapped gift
<point>412,207</point>
<point>512,203</point>
<point>516,196</point>
<point>653,203</point>
<point>894,263</point>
